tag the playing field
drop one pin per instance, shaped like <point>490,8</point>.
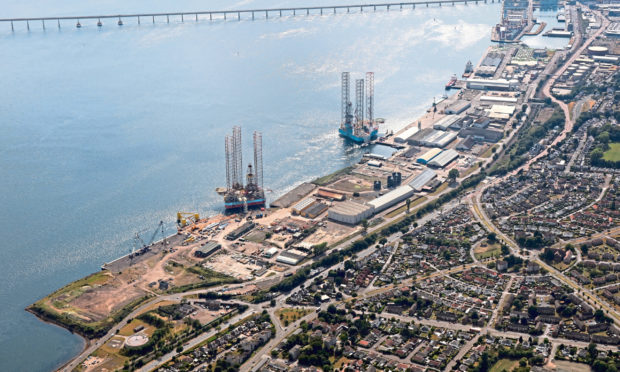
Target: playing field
<point>613,154</point>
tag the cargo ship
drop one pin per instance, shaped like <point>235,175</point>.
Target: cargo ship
<point>452,82</point>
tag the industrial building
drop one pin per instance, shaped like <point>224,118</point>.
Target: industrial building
<point>314,210</point>
<point>350,212</point>
<point>270,252</point>
<point>428,156</point>
<point>422,179</point>
<point>207,249</point>
<point>301,205</point>
<point>458,107</point>
<point>289,258</point>
<point>397,195</point>
<point>445,122</point>
<point>482,134</point>
<point>240,231</point>
<point>331,195</point>
<point>443,159</point>
<point>432,138</point>
<point>404,136</point>
<point>498,99</point>
<point>492,84</point>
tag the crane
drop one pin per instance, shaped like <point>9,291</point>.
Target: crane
<point>141,246</point>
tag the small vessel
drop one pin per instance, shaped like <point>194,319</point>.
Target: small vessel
<point>78,25</point>
<point>452,81</point>
<point>99,24</point>
<point>469,69</point>
<point>120,22</point>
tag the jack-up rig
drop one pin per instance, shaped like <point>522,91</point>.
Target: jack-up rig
<point>236,195</point>
<point>354,125</point>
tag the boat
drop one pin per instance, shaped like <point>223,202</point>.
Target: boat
<point>99,24</point>
<point>78,25</point>
<point>452,82</point>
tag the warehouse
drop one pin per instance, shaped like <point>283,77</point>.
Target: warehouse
<point>289,258</point>
<point>349,212</point>
<point>499,99</point>
<point>270,252</point>
<point>492,84</point>
<point>404,136</point>
<point>428,156</point>
<point>314,210</point>
<point>443,159</point>
<point>301,205</point>
<point>445,122</point>
<point>483,135</point>
<point>207,249</point>
<point>332,195</point>
<point>391,198</point>
<point>240,231</point>
<point>422,179</point>
<point>432,138</point>
<point>458,107</point>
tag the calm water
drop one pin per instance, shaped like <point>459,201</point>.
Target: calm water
<point>540,41</point>
<point>105,132</point>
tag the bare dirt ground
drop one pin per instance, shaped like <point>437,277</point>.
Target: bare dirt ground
<point>330,233</point>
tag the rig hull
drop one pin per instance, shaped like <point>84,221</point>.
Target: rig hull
<point>239,204</point>
<point>372,135</point>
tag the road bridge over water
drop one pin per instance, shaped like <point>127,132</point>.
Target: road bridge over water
<point>250,14</point>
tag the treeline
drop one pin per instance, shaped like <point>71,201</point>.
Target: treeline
<point>517,154</point>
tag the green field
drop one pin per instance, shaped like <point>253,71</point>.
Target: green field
<point>613,154</point>
<point>504,364</point>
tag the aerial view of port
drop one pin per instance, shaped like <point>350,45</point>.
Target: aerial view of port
<point>328,185</point>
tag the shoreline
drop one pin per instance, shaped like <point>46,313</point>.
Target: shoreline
<point>87,342</point>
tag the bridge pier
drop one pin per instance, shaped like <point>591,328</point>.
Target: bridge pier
<point>210,16</point>
<point>182,18</point>
<point>196,17</point>
<point>252,15</point>
<point>334,10</point>
<point>28,25</point>
<point>57,20</point>
<point>153,19</point>
<point>138,20</point>
<point>12,27</point>
<point>362,9</point>
<point>321,11</point>
<point>374,8</point>
<point>294,13</point>
<point>307,11</point>
<point>43,23</point>
<point>388,7</point>
<point>238,16</point>
<point>167,18</point>
<point>266,14</point>
<point>224,15</point>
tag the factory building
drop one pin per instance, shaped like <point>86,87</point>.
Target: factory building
<point>332,195</point>
<point>492,84</point>
<point>422,179</point>
<point>349,212</point>
<point>428,156</point>
<point>302,205</point>
<point>458,107</point>
<point>445,122</point>
<point>443,159</point>
<point>404,136</point>
<point>397,195</point>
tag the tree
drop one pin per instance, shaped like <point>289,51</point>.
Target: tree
<point>408,204</point>
<point>532,311</point>
<point>453,175</point>
<point>492,237</point>
<point>365,224</point>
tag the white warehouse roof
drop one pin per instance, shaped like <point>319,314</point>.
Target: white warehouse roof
<point>422,179</point>
<point>444,158</point>
<point>401,138</point>
<point>391,198</point>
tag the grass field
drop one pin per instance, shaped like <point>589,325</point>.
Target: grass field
<point>489,151</point>
<point>487,251</point>
<point>504,364</point>
<point>291,314</point>
<point>613,154</point>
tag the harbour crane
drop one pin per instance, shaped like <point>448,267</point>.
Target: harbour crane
<point>141,247</point>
